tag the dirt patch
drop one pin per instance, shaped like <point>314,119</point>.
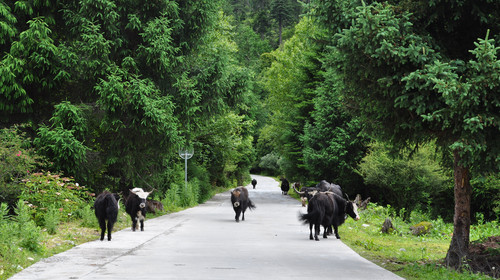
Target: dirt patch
<point>484,256</point>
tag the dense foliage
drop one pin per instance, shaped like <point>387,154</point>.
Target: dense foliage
<point>358,93</point>
<point>113,90</point>
<point>409,82</point>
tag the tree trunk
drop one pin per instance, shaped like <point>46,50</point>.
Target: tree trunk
<point>459,245</point>
<point>280,23</point>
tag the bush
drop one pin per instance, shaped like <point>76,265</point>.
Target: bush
<point>405,183</point>
<point>87,216</point>
<point>17,158</point>
<point>270,164</point>
<point>486,197</point>
<point>51,219</point>
<point>28,233</point>
<point>44,190</point>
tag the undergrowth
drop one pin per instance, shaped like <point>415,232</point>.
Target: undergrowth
<point>409,256</point>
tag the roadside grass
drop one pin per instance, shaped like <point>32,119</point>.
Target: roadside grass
<point>409,256</point>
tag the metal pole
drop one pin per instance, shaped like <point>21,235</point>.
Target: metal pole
<point>186,154</point>
<point>186,170</point>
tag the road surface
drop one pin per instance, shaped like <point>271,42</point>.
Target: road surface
<point>205,242</point>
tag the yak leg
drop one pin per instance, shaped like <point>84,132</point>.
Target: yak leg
<point>237,216</point>
<point>311,231</point>
<point>336,230</point>
<point>102,225</point>
<point>317,228</point>
<point>110,229</point>
<point>142,225</point>
<point>134,224</point>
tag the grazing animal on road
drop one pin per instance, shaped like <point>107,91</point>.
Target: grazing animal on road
<point>153,205</point>
<point>344,208</point>
<point>240,202</point>
<point>254,183</point>
<point>135,206</point>
<point>285,186</point>
<point>324,186</point>
<point>319,213</point>
<point>308,192</point>
<point>106,209</point>
<point>328,209</point>
<point>305,193</point>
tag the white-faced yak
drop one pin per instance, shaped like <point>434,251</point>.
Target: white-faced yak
<point>106,209</point>
<point>240,202</point>
<point>135,206</point>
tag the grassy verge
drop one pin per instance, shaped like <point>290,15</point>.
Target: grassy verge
<point>409,256</point>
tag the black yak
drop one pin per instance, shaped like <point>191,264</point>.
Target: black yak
<point>327,209</point>
<point>323,186</point>
<point>240,202</point>
<point>319,213</point>
<point>106,209</point>
<point>153,205</point>
<point>135,206</point>
<point>254,183</point>
<point>285,186</point>
<point>344,207</point>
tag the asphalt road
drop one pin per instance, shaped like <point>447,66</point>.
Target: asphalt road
<point>205,242</point>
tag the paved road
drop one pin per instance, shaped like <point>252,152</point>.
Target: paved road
<point>205,242</point>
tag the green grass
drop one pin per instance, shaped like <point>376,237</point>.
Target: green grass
<point>409,256</point>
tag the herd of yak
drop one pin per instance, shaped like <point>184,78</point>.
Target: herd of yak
<point>326,206</point>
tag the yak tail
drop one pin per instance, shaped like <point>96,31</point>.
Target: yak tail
<point>251,206</point>
<point>309,217</point>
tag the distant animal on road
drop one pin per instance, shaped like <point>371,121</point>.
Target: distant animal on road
<point>106,209</point>
<point>135,206</point>
<point>285,186</point>
<point>240,202</point>
<point>153,205</point>
<point>307,193</point>
<point>254,183</point>
<point>327,209</point>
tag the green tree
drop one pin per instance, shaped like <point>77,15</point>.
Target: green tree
<point>113,88</point>
<point>283,12</point>
<point>410,86</point>
<point>290,81</point>
<point>332,143</point>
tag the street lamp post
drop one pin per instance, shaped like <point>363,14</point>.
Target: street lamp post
<point>186,154</point>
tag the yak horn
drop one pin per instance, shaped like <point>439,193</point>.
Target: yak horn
<point>296,189</point>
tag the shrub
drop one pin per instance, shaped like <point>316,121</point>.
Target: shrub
<point>51,219</point>
<point>270,164</point>
<point>17,158</point>
<point>405,183</point>
<point>87,216</point>
<point>44,190</point>
<point>28,233</point>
